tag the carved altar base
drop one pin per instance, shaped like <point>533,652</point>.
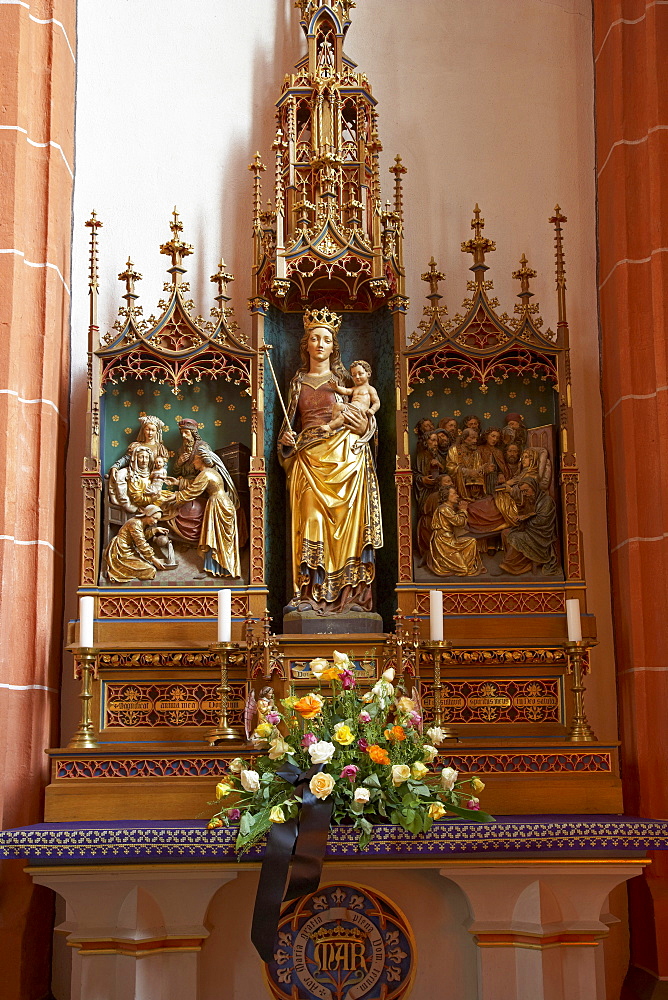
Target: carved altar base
<point>503,911</point>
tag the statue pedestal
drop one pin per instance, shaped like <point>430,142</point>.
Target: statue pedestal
<point>346,623</point>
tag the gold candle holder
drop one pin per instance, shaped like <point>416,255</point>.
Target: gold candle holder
<point>580,730</point>
<point>85,669</point>
<point>223,731</point>
<point>437,647</point>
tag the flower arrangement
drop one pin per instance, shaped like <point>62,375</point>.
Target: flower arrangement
<point>367,754</point>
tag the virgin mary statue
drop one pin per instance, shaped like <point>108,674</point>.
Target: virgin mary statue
<point>332,482</point>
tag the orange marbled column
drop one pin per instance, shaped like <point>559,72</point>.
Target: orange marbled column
<point>37,80</point>
<point>631,55</point>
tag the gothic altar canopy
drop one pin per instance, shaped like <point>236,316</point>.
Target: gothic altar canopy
<point>331,479</point>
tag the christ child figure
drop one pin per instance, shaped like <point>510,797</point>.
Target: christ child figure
<point>363,396</point>
<point>158,475</point>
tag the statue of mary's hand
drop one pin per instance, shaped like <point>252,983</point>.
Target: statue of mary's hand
<point>356,421</point>
<point>288,439</point>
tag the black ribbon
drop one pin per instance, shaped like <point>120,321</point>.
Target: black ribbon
<point>299,842</point>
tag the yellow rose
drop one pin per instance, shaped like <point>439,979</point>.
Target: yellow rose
<point>477,785</point>
<point>289,702</point>
<point>318,666</point>
<point>436,810</point>
<point>321,785</point>
<point>223,789</point>
<point>418,770</point>
<point>400,773</point>
<point>277,815</point>
<point>264,730</point>
<point>332,673</point>
<point>279,748</point>
<point>406,705</point>
<point>344,735</point>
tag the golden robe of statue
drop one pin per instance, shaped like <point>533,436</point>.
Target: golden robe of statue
<point>450,555</point>
<point>129,555</point>
<point>334,497</point>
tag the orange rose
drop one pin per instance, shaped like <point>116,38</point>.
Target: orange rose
<point>309,706</point>
<point>332,674</point>
<point>396,733</point>
<point>378,755</point>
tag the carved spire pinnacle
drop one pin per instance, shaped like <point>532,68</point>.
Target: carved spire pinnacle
<point>556,221</point>
<point>479,246</point>
<point>176,249</point>
<point>93,224</point>
<point>222,278</point>
<point>129,276</point>
<point>433,277</point>
<point>398,170</point>
<point>257,167</point>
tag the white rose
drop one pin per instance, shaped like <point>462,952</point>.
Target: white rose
<point>279,748</point>
<point>338,726</point>
<point>448,778</point>
<point>321,752</point>
<point>400,773</point>
<point>361,795</point>
<point>237,765</point>
<point>318,666</point>
<point>430,753</point>
<point>388,675</point>
<point>250,780</point>
<point>341,659</point>
<point>436,735</point>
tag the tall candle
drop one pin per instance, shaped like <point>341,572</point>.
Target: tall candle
<point>225,615</point>
<point>436,615</point>
<point>86,613</point>
<point>573,620</point>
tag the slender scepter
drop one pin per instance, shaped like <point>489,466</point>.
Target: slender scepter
<point>265,348</point>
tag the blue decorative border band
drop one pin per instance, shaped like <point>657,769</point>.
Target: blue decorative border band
<point>178,841</point>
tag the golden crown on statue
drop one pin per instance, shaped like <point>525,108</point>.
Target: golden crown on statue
<point>321,317</point>
<point>337,934</point>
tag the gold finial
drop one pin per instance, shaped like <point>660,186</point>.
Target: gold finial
<point>129,276</point>
<point>433,277</point>
<point>398,170</point>
<point>93,224</point>
<point>222,278</point>
<point>556,221</point>
<point>524,274</point>
<point>478,246</point>
<point>257,167</point>
<point>176,248</point>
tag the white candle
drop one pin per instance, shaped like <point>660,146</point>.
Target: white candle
<point>573,619</point>
<point>436,615</point>
<point>225,615</point>
<point>86,613</point>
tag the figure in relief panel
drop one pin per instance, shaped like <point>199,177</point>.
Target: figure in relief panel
<point>130,476</point>
<point>333,488</point>
<point>530,544</point>
<point>465,465</point>
<point>129,556</point>
<point>363,396</point>
<point>451,428</point>
<point>494,463</point>
<point>514,430</point>
<point>218,543</point>
<point>451,550</point>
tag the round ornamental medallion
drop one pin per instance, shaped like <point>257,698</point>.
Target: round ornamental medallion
<point>343,942</point>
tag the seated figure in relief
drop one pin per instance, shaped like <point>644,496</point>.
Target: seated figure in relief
<point>452,552</point>
<point>530,544</point>
<point>492,514</point>
<point>129,477</point>
<point>129,556</point>
<point>465,466</point>
<point>363,396</point>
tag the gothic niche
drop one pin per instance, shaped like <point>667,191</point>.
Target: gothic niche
<point>486,452</point>
<point>176,415</point>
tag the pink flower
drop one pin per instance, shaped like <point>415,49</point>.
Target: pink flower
<point>364,717</point>
<point>309,739</point>
<point>473,803</point>
<point>363,744</point>
<point>414,719</point>
<point>273,717</point>
<point>350,772</point>
<point>234,814</point>
<point>347,680</point>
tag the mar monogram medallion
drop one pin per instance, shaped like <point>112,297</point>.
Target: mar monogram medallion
<point>343,942</point>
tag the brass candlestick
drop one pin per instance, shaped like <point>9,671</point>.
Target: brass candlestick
<point>580,731</point>
<point>85,669</point>
<point>436,647</point>
<point>223,731</point>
